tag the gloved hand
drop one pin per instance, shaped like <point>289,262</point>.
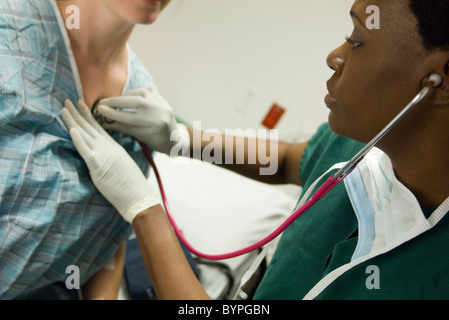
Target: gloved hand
<point>148,118</point>
<point>113,171</point>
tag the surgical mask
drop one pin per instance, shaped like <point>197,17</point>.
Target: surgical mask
<point>385,208</point>
<point>389,214</point>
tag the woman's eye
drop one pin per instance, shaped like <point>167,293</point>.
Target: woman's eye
<point>355,44</point>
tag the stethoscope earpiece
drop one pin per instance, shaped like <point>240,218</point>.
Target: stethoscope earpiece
<point>436,79</point>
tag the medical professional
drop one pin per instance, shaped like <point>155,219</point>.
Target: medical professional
<point>57,232</point>
<point>384,233</point>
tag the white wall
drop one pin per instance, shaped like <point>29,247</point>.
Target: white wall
<point>225,62</point>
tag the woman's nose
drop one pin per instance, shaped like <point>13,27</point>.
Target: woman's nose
<point>336,59</point>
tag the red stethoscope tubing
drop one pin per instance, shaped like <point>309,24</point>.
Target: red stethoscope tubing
<point>321,192</point>
<point>435,80</point>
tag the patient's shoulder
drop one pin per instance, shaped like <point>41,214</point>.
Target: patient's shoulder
<point>28,30</point>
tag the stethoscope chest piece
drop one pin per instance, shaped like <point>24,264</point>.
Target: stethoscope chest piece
<point>98,116</point>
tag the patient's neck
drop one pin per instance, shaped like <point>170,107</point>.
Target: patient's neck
<point>100,49</point>
<point>102,36</point>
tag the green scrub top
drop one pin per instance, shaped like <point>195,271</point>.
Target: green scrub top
<point>325,237</point>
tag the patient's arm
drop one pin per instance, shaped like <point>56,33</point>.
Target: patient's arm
<point>122,183</point>
<point>167,266</point>
<point>106,282</point>
<point>285,155</point>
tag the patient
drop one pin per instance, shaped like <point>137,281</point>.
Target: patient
<point>384,234</point>
<point>51,215</point>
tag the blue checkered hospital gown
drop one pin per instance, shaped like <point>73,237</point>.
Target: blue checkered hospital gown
<point>51,215</point>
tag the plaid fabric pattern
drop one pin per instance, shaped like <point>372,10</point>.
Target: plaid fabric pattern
<point>51,215</point>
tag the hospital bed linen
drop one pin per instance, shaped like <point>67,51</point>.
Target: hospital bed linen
<point>219,211</point>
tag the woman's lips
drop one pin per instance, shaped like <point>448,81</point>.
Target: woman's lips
<point>330,101</point>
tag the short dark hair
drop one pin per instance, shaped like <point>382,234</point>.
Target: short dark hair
<point>433,22</point>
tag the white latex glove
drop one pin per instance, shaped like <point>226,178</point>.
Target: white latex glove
<point>113,171</point>
<point>145,115</point>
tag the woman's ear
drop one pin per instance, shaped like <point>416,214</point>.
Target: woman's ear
<point>445,84</point>
<point>441,95</point>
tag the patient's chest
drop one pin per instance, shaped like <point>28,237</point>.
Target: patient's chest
<point>101,83</point>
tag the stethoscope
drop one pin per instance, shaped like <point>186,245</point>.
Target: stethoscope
<point>434,81</point>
